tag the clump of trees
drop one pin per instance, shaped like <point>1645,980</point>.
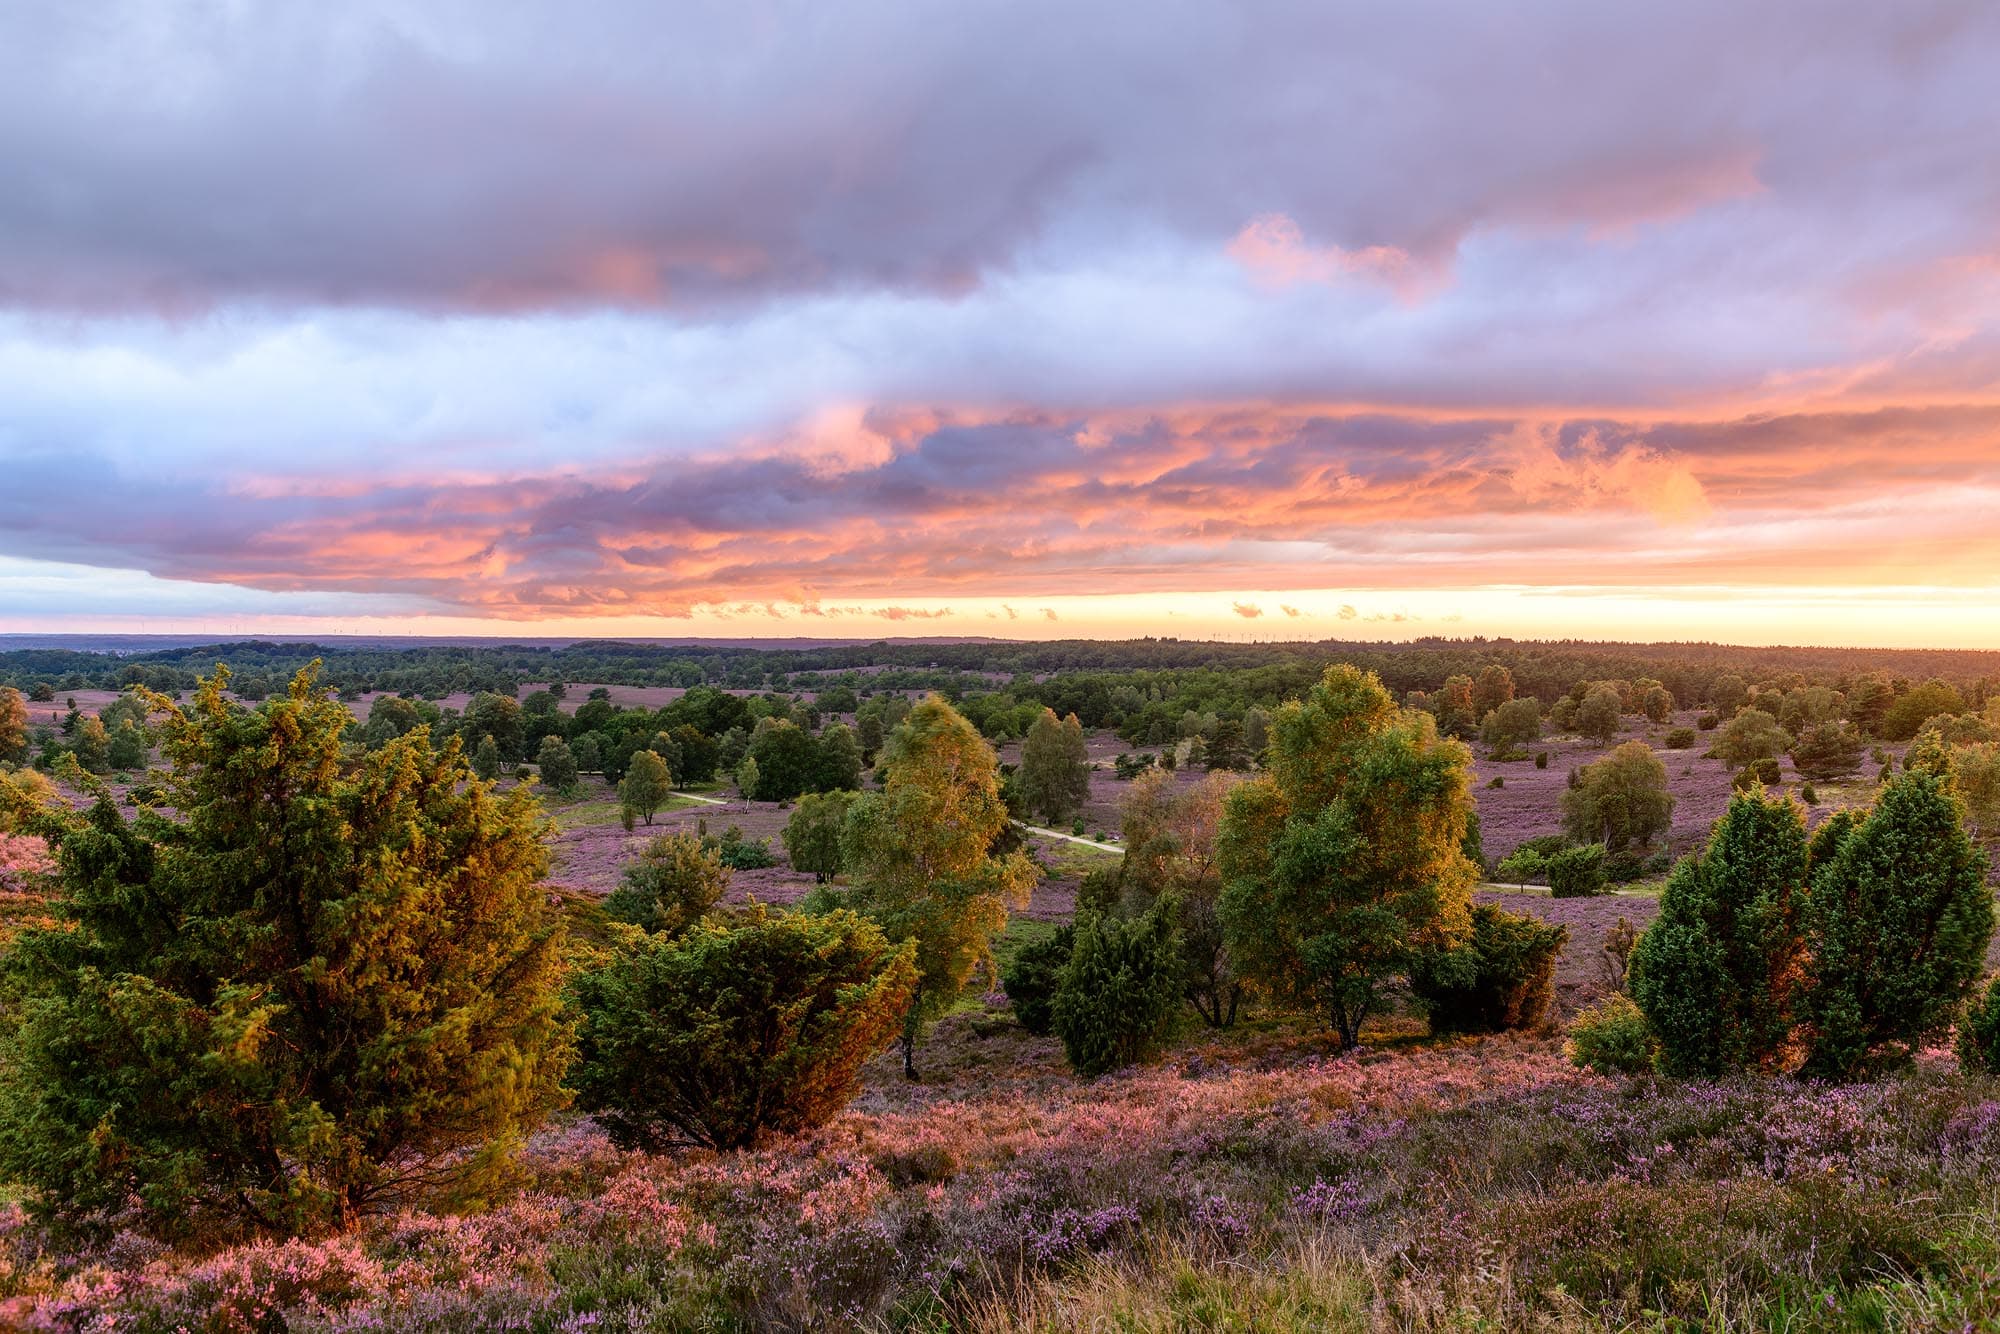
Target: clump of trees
<point>1053,781</point>
<point>1855,945</point>
<point>1502,977</point>
<point>674,882</point>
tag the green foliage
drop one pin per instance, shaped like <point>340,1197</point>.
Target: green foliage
<point>1827,750</point>
<point>1897,925</point>
<point>1599,715</point>
<point>1619,799</point>
<point>486,760</point>
<point>837,765</point>
<point>812,835</point>
<point>739,853</point>
<point>1347,857</point>
<point>918,854</point>
<point>1031,977</point>
<point>1170,849</point>
<point>1511,725</point>
<point>1053,781</point>
<point>1716,972</point>
<point>129,747</point>
<point>1679,738</point>
<point>1117,995</point>
<point>327,988</point>
<point>1502,978</point>
<point>1576,873</point>
<point>92,746</point>
<point>1611,1038</point>
<point>556,765</point>
<point>673,883</point>
<point>1521,866</point>
<point>644,788</point>
<point>731,1031</point>
<point>1979,1032</point>
<point>1903,719</point>
<point>1751,735</point>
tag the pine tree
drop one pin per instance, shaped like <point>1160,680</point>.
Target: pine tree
<point>325,989</point>
<point>486,759</point>
<point>918,854</point>
<point>673,883</point>
<point>1897,925</point>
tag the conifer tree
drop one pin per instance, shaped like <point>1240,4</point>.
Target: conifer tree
<point>323,990</point>
<point>1119,991</point>
<point>1715,974</point>
<point>1897,925</point>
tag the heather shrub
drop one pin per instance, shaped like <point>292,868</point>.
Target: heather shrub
<point>329,987</point>
<point>1031,976</point>
<point>1612,1038</point>
<point>1896,925</point>
<point>1502,978</point>
<point>1117,995</point>
<point>1979,1032</point>
<point>673,883</point>
<point>1576,873</point>
<point>733,1030</point>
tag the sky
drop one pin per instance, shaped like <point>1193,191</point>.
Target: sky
<point>1264,319</point>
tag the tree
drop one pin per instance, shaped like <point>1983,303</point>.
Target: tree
<point>812,835</point>
<point>1750,736</point>
<point>128,746</point>
<point>92,746</point>
<point>1346,859</point>
<point>838,767</point>
<point>787,760</point>
<point>1907,716</point>
<point>588,752</point>
<point>1979,1032</point>
<point>555,765</point>
<point>1619,799</point>
<point>324,989</point>
<point>13,726</point>
<point>1457,713</point>
<point>1716,973</point>
<point>1510,726</point>
<point>1117,995</point>
<point>486,760</point>
<point>1256,733</point>
<point>1576,873</point>
<point>1896,925</point>
<point>1170,851</point>
<point>917,854</point>
<point>748,780</point>
<point>1600,714</point>
<point>497,716</point>
<point>645,786</point>
<point>1656,702</point>
<point>1868,704</point>
<point>1976,774</point>
<point>1493,688</point>
<point>389,717</point>
<point>1033,975</point>
<point>1225,748</point>
<point>1501,978</point>
<point>674,883</point>
<point>1727,693</point>
<point>1054,777</point>
<point>731,1031</point>
<point>1827,750</point>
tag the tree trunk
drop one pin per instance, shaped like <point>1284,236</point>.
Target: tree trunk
<point>909,1055</point>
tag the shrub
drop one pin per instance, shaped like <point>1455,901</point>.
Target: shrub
<point>1117,995</point>
<point>1713,973</point>
<point>1032,975</point>
<point>1679,738</point>
<point>1497,781</point>
<point>1576,873</point>
<point>739,853</point>
<point>1979,1032</point>
<point>1520,866</point>
<point>360,981</point>
<point>1769,772</point>
<point>1503,978</point>
<point>718,1036</point>
<point>1897,925</point>
<point>672,884</point>
<point>1541,759</point>
<point>1708,722</point>
<point>1611,1038</point>
<point>1808,794</point>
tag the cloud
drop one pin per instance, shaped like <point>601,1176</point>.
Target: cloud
<point>1249,611</point>
<point>911,613</point>
<point>1049,614</point>
<point>1348,613</point>
<point>1292,612</point>
<point>1274,251</point>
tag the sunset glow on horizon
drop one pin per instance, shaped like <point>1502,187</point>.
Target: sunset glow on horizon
<point>1276,321</point>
